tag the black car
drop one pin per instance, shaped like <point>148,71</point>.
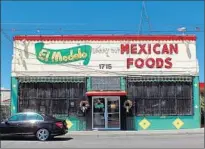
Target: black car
<point>43,127</point>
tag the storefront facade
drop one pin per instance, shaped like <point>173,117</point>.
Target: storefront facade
<point>108,82</point>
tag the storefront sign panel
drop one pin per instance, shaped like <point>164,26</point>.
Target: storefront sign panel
<point>111,57</point>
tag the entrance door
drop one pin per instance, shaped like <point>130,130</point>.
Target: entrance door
<point>106,112</point>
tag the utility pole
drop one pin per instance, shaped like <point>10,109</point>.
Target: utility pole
<point>143,14</point>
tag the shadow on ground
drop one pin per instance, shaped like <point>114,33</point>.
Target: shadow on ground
<point>22,138</point>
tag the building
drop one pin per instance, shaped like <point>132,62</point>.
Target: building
<point>202,91</point>
<point>108,82</point>
<point>201,87</point>
<point>5,103</point>
<point>5,96</point>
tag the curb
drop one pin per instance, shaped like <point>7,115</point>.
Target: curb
<point>134,133</point>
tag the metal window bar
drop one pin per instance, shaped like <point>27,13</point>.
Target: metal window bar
<point>170,97</point>
<point>50,98</point>
<point>105,83</point>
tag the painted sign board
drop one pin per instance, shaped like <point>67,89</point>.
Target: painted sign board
<point>87,58</point>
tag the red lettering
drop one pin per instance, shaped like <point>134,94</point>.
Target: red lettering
<point>129,62</point>
<point>173,48</point>
<point>124,48</point>
<point>139,65</point>
<point>149,48</point>
<point>168,63</point>
<point>150,63</point>
<point>133,49</point>
<point>165,49</point>
<point>159,62</point>
<point>142,49</point>
<point>157,45</point>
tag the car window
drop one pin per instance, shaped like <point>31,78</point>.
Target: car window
<point>34,117</point>
<point>39,117</point>
<point>13,118</point>
<point>17,117</point>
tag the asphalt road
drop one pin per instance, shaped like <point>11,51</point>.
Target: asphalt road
<point>156,141</point>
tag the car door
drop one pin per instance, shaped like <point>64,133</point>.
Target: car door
<point>21,124</point>
<point>13,124</point>
<point>32,122</point>
<point>4,128</point>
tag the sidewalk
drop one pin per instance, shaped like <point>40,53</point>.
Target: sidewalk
<point>136,133</point>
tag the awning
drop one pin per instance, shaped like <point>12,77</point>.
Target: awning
<point>160,79</point>
<point>106,93</point>
<point>53,79</point>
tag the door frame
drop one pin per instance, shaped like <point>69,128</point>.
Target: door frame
<point>106,113</point>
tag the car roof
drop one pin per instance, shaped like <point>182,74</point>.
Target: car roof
<point>28,113</point>
<point>45,116</point>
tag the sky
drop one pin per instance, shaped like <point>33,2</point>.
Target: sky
<point>97,17</point>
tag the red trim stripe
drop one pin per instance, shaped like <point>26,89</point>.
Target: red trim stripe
<point>104,37</point>
<point>106,93</point>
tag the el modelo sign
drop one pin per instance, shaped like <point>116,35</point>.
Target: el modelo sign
<point>60,56</point>
<point>84,53</point>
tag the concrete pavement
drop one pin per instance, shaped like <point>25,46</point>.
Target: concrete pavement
<point>153,141</point>
<point>136,133</point>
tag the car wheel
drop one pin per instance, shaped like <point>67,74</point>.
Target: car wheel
<point>42,134</point>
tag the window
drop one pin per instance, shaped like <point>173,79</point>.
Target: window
<point>50,98</point>
<point>151,98</point>
<point>34,117</point>
<point>59,106</point>
<point>184,99</point>
<point>167,98</point>
<point>13,118</point>
<point>161,98</point>
<point>18,117</point>
<point>105,83</point>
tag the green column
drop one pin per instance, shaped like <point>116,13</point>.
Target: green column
<point>196,103</point>
<point>122,83</point>
<point>89,84</point>
<point>14,95</point>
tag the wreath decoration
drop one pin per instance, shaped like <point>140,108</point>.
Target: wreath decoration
<point>84,105</point>
<point>128,105</point>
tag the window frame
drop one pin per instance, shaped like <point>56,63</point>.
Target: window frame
<point>170,109</point>
<point>44,104</point>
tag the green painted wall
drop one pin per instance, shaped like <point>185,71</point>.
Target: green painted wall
<point>156,122</point>
<point>74,123</point>
<point>89,84</point>
<point>122,83</point>
<point>78,124</point>
<point>165,123</point>
<point>14,95</point>
<point>197,110</point>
